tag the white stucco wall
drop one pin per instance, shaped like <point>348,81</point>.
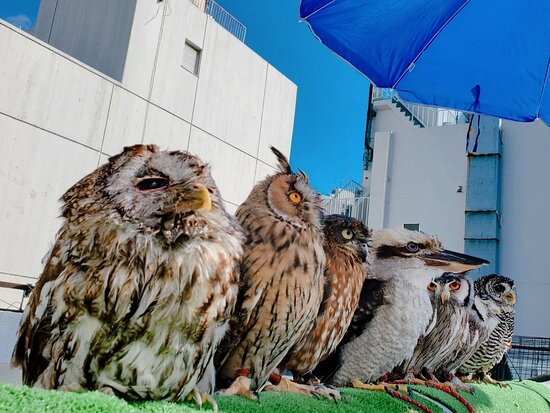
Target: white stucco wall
<point>415,176</point>
<point>60,119</point>
<point>414,180</point>
<point>525,201</point>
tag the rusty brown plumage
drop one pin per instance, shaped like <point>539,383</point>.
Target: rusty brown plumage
<point>282,268</point>
<point>140,284</point>
<point>346,251</point>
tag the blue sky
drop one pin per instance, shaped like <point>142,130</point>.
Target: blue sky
<point>329,125</point>
<point>331,105</point>
<point>21,13</point>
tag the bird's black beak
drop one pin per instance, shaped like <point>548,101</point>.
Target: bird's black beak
<point>453,261</point>
<point>362,251</point>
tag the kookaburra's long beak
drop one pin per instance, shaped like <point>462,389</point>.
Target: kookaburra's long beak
<point>198,198</point>
<point>453,261</point>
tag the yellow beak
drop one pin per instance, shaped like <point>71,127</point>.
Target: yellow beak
<point>197,198</point>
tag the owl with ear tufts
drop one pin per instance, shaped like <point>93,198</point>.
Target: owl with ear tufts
<point>140,284</point>
<point>282,278</point>
<point>452,297</point>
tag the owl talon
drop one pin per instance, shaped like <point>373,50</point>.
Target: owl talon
<point>201,398</point>
<point>358,384</point>
<point>74,387</point>
<point>240,387</point>
<point>287,385</point>
<point>324,392</point>
<point>489,380</point>
<point>107,390</point>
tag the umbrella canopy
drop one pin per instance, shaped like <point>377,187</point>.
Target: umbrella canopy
<point>483,56</point>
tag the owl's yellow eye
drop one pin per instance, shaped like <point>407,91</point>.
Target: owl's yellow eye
<point>295,197</point>
<point>347,233</point>
<point>432,286</point>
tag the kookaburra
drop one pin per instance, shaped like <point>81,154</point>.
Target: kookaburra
<point>394,309</point>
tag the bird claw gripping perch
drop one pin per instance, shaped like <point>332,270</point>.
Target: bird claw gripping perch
<point>200,398</point>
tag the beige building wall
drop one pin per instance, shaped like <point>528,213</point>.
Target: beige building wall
<point>60,119</point>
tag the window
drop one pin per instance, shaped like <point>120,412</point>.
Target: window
<point>191,58</point>
<point>412,227</point>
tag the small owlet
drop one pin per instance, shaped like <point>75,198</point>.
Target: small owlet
<point>452,298</point>
<point>346,252</point>
<point>282,277</point>
<point>394,308</point>
<point>140,284</point>
<point>500,291</point>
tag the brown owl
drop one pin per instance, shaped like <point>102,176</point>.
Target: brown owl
<point>346,252</point>
<point>140,284</point>
<point>281,279</point>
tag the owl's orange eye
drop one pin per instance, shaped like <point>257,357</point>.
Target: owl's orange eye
<point>432,286</point>
<point>455,285</point>
<point>295,197</point>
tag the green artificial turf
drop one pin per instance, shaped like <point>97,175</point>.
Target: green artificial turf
<point>520,397</point>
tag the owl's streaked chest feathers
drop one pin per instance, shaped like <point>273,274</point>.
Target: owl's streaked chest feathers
<point>143,306</point>
<point>344,277</point>
<point>282,274</point>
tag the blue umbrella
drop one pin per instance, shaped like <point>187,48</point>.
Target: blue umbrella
<point>483,56</point>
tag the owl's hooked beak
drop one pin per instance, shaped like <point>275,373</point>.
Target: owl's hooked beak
<point>199,198</point>
<point>444,296</point>
<point>363,251</point>
<point>179,219</point>
<point>453,261</point>
<point>511,298</point>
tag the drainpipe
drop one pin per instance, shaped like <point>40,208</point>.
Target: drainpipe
<point>482,214</point>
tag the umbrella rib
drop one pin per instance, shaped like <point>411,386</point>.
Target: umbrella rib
<point>429,42</point>
<point>318,10</point>
<point>543,87</point>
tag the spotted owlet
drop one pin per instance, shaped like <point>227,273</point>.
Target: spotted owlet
<point>394,308</point>
<point>346,252</point>
<point>140,284</point>
<point>282,277</point>
<point>499,293</point>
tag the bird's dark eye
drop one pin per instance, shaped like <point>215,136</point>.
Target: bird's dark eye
<point>499,288</point>
<point>412,247</point>
<point>432,286</point>
<point>151,183</point>
<point>347,233</point>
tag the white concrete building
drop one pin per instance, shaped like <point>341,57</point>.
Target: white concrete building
<point>174,77</point>
<point>422,176</point>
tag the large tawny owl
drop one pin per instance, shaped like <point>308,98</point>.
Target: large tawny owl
<point>394,308</point>
<point>140,284</point>
<point>346,252</point>
<point>282,277</point>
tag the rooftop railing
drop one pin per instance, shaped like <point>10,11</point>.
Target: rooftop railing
<point>348,201</point>
<point>222,17</point>
<point>421,115</point>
